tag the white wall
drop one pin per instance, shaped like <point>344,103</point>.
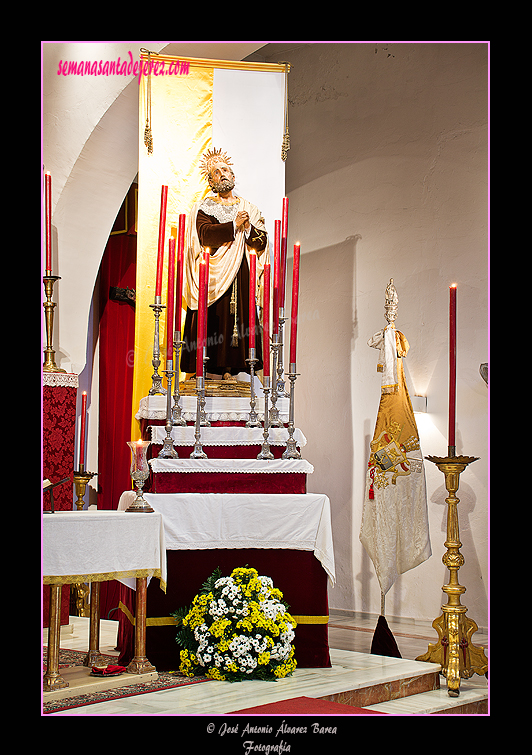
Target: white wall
<point>387,177</point>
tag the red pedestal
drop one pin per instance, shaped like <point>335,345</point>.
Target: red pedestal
<point>298,574</point>
<point>59,422</point>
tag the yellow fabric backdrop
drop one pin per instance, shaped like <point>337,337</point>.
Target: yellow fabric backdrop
<point>180,109</point>
<point>181,124</point>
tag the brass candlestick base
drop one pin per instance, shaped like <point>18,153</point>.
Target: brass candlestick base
<point>49,306</point>
<point>454,651</point>
<point>81,480</point>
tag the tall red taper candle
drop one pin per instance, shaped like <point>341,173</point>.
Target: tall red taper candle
<point>284,240</point>
<point>48,221</point>
<point>202,302</point>
<point>266,321</point>
<point>452,369</point>
<point>295,297</point>
<point>180,273</point>
<point>160,245</point>
<point>170,300</point>
<point>276,276</point>
<point>252,302</point>
<point>83,430</point>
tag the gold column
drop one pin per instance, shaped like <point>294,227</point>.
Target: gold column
<point>94,657</point>
<point>53,680</point>
<point>454,651</point>
<point>140,664</point>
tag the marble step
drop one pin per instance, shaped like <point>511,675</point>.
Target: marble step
<point>471,700</point>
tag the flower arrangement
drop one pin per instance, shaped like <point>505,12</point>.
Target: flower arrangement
<point>237,628</point>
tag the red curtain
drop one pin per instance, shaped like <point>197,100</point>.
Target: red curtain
<point>117,334</point>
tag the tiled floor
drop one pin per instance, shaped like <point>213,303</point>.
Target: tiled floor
<point>349,640</point>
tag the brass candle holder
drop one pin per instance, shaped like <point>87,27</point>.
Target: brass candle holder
<point>49,306</point>
<point>454,651</point>
<point>81,480</point>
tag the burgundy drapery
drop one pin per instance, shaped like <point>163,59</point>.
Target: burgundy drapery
<point>117,335</point>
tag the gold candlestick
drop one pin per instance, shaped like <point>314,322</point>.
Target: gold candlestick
<point>81,479</point>
<point>49,306</point>
<point>454,651</point>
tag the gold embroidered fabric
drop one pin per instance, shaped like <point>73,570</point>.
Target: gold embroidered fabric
<point>165,621</point>
<point>70,579</point>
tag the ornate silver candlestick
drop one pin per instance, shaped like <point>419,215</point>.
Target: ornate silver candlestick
<point>139,472</point>
<point>168,451</point>
<point>203,414</point>
<point>198,452</point>
<point>265,452</point>
<point>280,381</point>
<point>253,420</point>
<point>274,418</point>
<point>291,451</point>
<point>177,419</point>
<point>156,379</point>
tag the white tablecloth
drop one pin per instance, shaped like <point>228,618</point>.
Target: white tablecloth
<point>96,545</point>
<point>226,436</point>
<point>196,521</point>
<point>217,408</point>
<point>244,466</point>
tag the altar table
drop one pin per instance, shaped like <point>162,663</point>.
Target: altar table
<point>96,546</point>
<point>285,537</point>
<point>250,476</point>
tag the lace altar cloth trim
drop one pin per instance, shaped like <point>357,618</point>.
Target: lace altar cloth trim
<point>218,409</point>
<point>61,379</point>
<point>226,436</point>
<point>232,466</point>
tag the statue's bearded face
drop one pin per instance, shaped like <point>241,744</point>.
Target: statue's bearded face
<point>221,178</point>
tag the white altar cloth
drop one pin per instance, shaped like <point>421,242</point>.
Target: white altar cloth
<point>98,545</point>
<point>245,466</point>
<point>198,521</point>
<point>226,436</point>
<point>217,408</point>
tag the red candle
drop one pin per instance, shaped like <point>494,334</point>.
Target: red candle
<point>202,307</point>
<point>295,296</point>
<point>252,304</point>
<point>160,246</point>
<point>284,238</point>
<point>48,216</point>
<point>452,365</point>
<point>276,277</point>
<point>266,321</point>
<point>170,301</point>
<point>83,430</point>
<point>180,272</point>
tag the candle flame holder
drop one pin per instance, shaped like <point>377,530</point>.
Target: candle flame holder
<point>265,452</point>
<point>253,420</point>
<point>291,451</point>
<point>49,306</point>
<point>139,471</point>
<point>156,379</point>
<point>454,651</point>
<point>168,451</point>
<point>81,480</point>
<point>198,452</point>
